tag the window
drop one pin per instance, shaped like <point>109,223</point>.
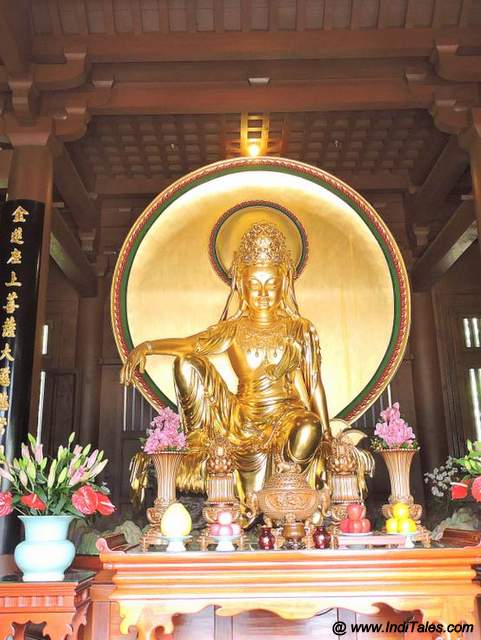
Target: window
<point>459,341</point>
<point>472,331</point>
<point>471,362</point>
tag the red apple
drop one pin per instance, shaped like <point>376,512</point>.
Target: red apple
<point>236,529</point>
<point>355,526</point>
<point>344,526</point>
<point>224,517</point>
<point>214,529</point>
<point>225,530</point>
<point>355,511</point>
<point>366,525</point>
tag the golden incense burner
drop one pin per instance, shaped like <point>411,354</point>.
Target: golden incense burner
<point>288,498</point>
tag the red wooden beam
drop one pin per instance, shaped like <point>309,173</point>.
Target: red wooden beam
<point>281,45</point>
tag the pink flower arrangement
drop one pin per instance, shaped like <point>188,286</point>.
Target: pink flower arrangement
<point>393,432</point>
<point>64,485</point>
<point>166,433</point>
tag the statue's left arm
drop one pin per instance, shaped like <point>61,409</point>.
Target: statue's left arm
<point>319,406</point>
<point>310,371</point>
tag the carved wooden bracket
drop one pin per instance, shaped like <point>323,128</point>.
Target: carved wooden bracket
<point>26,89</point>
<point>69,75</point>
<point>47,129</point>
<point>471,133</point>
<point>449,65</point>
<point>449,116</point>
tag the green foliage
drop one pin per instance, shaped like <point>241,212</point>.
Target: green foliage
<point>471,462</point>
<point>379,444</point>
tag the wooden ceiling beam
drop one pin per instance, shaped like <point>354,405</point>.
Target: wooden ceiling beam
<point>15,36</point>
<point>66,252</point>
<point>452,241</point>
<point>446,172</point>
<point>197,98</point>
<point>229,45</point>
<point>276,70</point>
<point>73,192</point>
<point>382,181</point>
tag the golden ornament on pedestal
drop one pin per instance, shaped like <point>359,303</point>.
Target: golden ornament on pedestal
<point>398,463</point>
<point>288,499</point>
<point>346,467</point>
<point>220,482</point>
<point>220,490</point>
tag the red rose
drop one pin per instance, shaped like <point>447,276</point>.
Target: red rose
<point>476,489</point>
<point>104,506</point>
<point>459,490</point>
<point>85,500</point>
<point>33,501</point>
<point>6,506</point>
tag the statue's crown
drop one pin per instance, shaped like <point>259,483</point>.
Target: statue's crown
<point>263,244</point>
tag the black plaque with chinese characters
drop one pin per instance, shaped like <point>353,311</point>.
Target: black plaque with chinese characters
<point>21,229</point>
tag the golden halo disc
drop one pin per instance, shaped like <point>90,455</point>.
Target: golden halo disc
<point>227,233</point>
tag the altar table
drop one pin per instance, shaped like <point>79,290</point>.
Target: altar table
<point>60,607</point>
<point>151,588</point>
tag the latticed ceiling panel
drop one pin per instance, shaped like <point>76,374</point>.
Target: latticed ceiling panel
<point>359,141</point>
<point>151,146</point>
<point>71,17</point>
<point>169,146</point>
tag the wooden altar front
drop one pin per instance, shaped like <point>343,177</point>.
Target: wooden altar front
<point>150,589</point>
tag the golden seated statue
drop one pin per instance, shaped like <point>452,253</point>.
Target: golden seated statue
<point>279,412</point>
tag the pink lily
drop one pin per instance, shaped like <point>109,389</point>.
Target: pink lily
<point>38,453</point>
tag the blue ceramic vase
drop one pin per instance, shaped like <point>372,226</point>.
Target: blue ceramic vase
<point>45,553</point>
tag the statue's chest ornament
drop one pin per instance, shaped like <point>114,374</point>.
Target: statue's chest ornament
<point>259,340</point>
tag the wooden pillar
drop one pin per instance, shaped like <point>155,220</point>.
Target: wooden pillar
<point>89,353</point>
<point>428,394</point>
<point>24,256</point>
<point>470,140</point>
<point>475,160</point>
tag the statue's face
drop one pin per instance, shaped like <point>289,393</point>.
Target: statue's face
<point>262,287</point>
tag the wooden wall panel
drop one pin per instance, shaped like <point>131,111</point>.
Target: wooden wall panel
<point>262,624</point>
<point>61,316</point>
<point>201,626</point>
<point>60,410</point>
<point>111,428</point>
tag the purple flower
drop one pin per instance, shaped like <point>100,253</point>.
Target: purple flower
<point>92,458</point>
<point>394,430</point>
<point>38,453</point>
<point>77,477</point>
<point>165,433</point>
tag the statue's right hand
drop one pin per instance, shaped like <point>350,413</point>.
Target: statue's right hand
<point>136,358</point>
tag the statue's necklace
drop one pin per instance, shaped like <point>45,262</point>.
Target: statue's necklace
<point>256,338</point>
